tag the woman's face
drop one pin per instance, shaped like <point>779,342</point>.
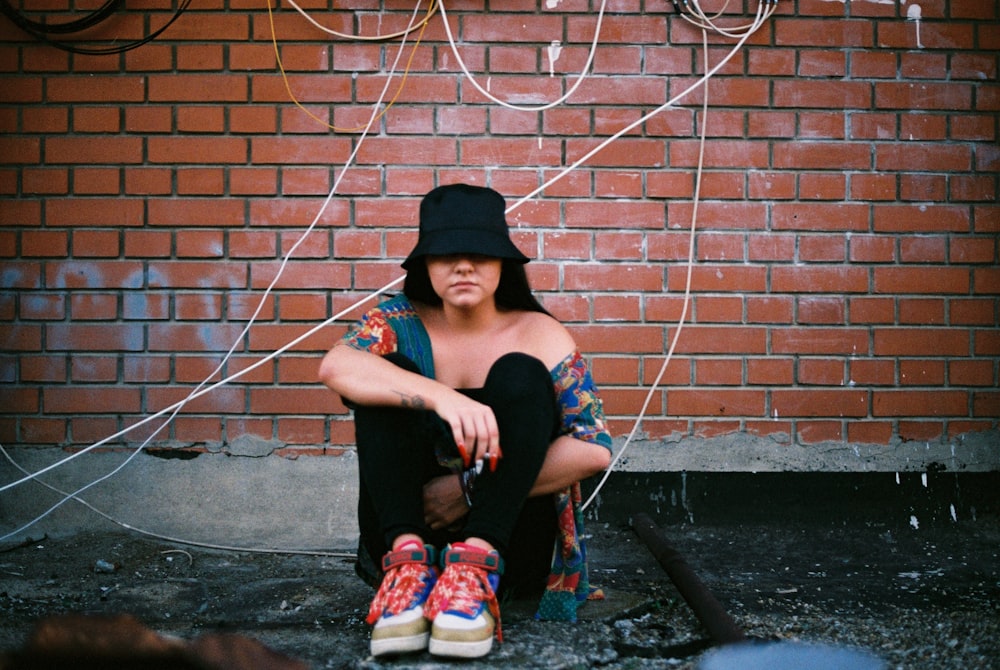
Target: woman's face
<point>464,280</point>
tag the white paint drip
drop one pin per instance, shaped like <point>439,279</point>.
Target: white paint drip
<point>913,14</point>
<point>914,522</point>
<point>954,515</point>
<point>551,4</point>
<point>555,50</point>
<point>657,498</point>
<point>923,479</point>
<point>684,497</point>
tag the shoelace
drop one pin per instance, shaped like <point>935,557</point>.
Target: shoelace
<point>399,590</point>
<point>463,588</point>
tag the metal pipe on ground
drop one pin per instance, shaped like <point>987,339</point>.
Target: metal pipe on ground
<point>706,607</point>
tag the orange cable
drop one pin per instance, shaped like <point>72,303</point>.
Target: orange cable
<point>402,83</point>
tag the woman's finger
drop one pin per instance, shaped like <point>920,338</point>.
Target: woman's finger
<point>495,457</point>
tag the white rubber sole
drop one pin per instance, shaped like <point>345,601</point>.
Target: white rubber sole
<point>456,649</point>
<point>400,645</point>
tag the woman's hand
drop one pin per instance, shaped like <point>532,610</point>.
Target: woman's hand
<point>474,428</point>
<point>350,372</point>
<point>444,504</point>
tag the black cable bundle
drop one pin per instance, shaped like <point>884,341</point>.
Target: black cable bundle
<point>50,32</point>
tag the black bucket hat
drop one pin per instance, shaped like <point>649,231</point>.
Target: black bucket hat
<point>463,219</point>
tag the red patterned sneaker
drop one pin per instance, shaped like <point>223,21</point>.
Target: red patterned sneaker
<point>397,611</point>
<point>463,605</point>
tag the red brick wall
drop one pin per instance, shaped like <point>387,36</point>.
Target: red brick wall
<point>846,283</point>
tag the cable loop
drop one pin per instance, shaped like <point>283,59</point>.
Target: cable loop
<point>431,9</point>
<point>43,32</point>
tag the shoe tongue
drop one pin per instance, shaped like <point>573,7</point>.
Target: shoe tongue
<point>462,546</point>
<point>408,545</point>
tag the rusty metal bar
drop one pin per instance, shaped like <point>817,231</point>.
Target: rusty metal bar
<point>709,611</point>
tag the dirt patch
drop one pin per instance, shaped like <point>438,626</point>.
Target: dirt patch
<point>916,598</point>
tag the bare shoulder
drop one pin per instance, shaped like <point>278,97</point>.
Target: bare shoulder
<point>545,338</point>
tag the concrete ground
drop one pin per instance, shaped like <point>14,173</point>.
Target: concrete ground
<point>910,579</point>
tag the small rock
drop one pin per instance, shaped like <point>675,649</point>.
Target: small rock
<point>104,567</point>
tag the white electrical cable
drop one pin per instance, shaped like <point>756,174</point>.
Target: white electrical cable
<point>168,538</point>
<point>687,290</point>
<point>509,209</point>
<point>759,18</point>
<point>691,11</point>
<point>173,408</point>
<point>646,117</point>
<point>207,389</point>
<point>561,174</point>
<point>525,108</point>
<point>200,389</point>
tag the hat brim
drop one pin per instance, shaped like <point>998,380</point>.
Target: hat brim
<point>471,241</point>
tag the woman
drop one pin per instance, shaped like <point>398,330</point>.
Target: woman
<point>475,419</point>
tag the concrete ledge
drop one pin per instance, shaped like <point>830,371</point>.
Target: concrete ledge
<point>743,452</point>
<point>242,495</point>
<point>306,503</point>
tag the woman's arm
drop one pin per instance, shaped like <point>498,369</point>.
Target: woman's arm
<point>367,379</point>
<point>568,461</point>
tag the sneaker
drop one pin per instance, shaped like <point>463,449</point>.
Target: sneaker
<point>463,605</point>
<point>397,612</point>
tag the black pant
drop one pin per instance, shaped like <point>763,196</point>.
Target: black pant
<point>397,456</point>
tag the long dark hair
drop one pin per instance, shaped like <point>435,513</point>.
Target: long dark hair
<point>513,291</point>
